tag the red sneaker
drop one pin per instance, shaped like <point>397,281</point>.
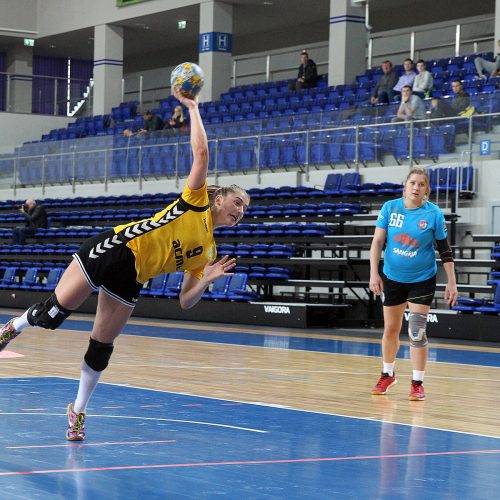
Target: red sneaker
<point>384,383</point>
<point>417,391</point>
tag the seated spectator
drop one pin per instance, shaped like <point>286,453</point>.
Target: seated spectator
<point>308,73</point>
<point>177,120</point>
<point>407,78</point>
<point>423,83</point>
<point>461,99</point>
<point>383,92</point>
<point>491,67</point>
<point>411,107</point>
<point>459,105</point>
<point>35,216</point>
<point>152,122</point>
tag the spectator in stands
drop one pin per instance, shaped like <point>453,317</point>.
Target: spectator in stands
<point>490,67</point>
<point>119,261</point>
<point>410,227</point>
<point>461,99</point>
<point>423,83</point>
<point>383,92</point>
<point>411,107</point>
<point>407,78</point>
<point>308,73</point>
<point>35,216</point>
<point>177,120</point>
<point>152,122</point>
<point>459,105</point>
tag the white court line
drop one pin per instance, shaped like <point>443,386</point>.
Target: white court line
<point>271,405</point>
<point>210,424</point>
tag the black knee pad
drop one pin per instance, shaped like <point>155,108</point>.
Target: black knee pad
<point>49,314</point>
<point>98,354</point>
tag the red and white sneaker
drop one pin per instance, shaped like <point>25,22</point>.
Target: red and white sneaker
<point>384,383</point>
<point>76,425</point>
<point>7,333</point>
<point>417,391</point>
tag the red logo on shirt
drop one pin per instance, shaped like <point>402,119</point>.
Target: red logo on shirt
<point>422,224</point>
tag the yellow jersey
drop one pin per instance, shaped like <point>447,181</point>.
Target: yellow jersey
<point>178,238</point>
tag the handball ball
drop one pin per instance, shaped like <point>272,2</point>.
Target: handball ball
<point>188,79</point>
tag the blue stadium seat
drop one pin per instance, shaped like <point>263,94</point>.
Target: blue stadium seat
<point>173,284</point>
<point>237,289</point>
<point>156,286</point>
<point>218,290</point>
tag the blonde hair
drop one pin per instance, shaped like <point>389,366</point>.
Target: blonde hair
<point>214,190</point>
<point>418,171</point>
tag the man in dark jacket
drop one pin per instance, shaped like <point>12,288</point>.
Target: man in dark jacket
<point>35,216</point>
<point>152,122</point>
<point>308,73</point>
<point>384,92</point>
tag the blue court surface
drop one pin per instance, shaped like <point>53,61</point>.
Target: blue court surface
<point>151,444</point>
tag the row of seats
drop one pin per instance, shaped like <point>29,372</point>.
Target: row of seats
<point>242,230</point>
<point>291,150</point>
<point>469,306</point>
<point>49,249</point>
<point>240,250</point>
<point>165,285</point>
<point>31,279</point>
<point>267,230</point>
<point>232,288</point>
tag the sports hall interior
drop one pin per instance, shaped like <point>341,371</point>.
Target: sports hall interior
<point>263,390</point>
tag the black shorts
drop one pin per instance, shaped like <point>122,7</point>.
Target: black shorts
<point>109,266</point>
<point>396,293</point>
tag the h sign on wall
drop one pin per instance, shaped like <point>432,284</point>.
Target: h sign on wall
<point>216,42</point>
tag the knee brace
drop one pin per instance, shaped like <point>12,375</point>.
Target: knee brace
<point>416,329</point>
<point>98,354</point>
<point>49,314</point>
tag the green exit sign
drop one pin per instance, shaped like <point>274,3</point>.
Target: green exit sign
<point>29,42</point>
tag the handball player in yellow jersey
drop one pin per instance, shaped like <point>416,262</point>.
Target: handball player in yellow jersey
<point>120,261</point>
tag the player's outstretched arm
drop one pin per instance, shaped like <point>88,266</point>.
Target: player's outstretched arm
<point>199,143</point>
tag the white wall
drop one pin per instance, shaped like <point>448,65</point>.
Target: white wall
<point>21,16</point>
<point>18,128</point>
<point>77,14</point>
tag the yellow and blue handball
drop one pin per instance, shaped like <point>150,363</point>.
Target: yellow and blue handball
<point>188,79</point>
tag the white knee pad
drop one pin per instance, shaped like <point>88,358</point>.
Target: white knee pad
<point>416,329</point>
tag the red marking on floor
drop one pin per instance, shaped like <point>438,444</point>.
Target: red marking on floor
<point>10,354</point>
<point>253,462</point>
<point>151,406</point>
<point>194,404</point>
<point>105,443</point>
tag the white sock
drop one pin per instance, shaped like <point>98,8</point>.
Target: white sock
<point>22,322</point>
<point>389,368</point>
<point>88,382</point>
<point>418,375</point>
